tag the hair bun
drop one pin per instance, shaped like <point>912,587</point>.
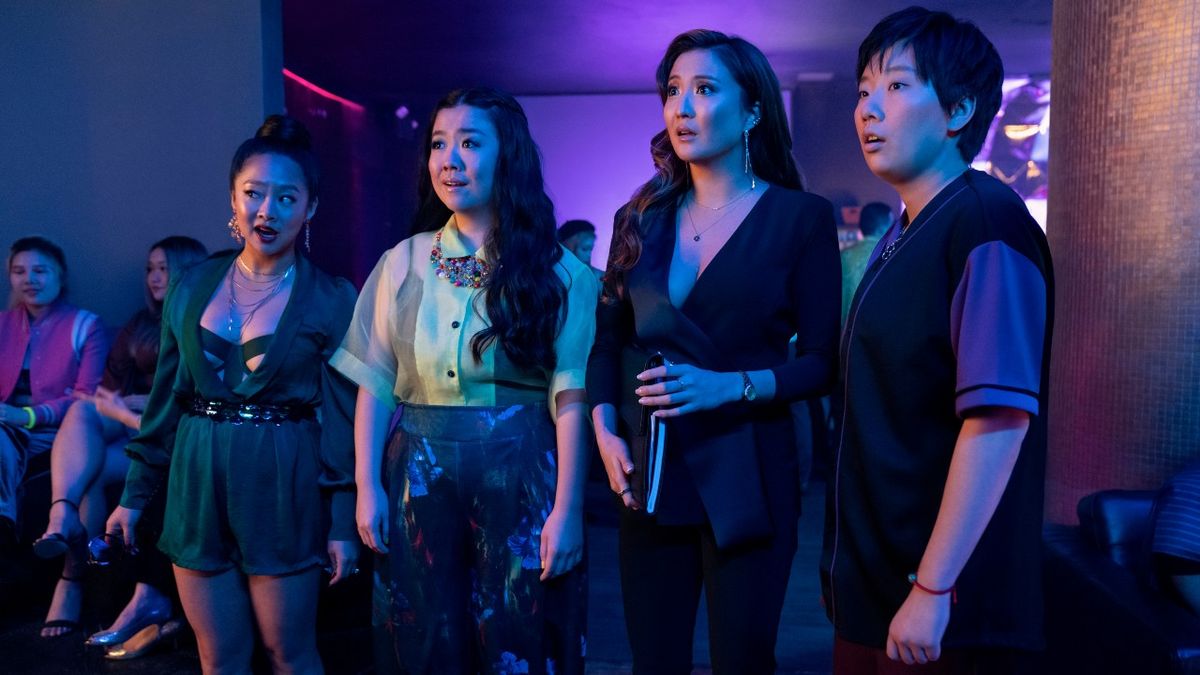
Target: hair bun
<point>286,130</point>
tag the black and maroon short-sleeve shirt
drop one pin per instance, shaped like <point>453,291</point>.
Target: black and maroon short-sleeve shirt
<point>956,317</point>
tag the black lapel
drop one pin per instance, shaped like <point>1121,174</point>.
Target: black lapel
<point>659,324</point>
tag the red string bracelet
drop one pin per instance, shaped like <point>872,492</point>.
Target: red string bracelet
<point>953,590</point>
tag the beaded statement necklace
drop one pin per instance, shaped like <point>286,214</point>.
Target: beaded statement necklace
<point>464,270</point>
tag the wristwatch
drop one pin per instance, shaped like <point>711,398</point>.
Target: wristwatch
<point>748,391</point>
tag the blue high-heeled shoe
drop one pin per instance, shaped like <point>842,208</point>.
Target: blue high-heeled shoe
<point>145,640</point>
<point>157,616</point>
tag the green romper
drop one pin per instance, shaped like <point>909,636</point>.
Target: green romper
<point>261,496</point>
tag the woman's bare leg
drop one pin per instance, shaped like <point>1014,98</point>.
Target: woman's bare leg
<point>218,608</point>
<point>77,458</point>
<point>65,605</point>
<point>286,610</point>
<point>94,508</point>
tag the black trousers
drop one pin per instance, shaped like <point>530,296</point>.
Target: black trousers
<point>664,567</point>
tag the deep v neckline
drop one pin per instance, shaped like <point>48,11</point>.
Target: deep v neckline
<point>280,338</point>
<point>719,255</point>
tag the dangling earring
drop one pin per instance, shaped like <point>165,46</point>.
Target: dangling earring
<point>749,170</point>
<point>233,229</point>
<point>307,233</point>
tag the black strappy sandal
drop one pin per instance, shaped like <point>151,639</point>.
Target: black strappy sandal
<point>71,626</point>
<point>56,543</point>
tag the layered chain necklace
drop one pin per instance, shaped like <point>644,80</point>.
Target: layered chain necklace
<point>698,233</point>
<point>263,286</point>
<point>464,270</point>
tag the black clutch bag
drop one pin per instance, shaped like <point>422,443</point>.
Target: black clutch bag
<point>648,449</point>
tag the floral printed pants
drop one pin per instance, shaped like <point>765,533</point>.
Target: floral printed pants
<point>469,489</point>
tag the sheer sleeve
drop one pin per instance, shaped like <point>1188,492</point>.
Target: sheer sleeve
<point>337,424</point>
<point>150,450</point>
<point>366,355</point>
<point>574,341</point>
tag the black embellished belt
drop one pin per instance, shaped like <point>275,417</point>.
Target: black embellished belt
<point>249,413</point>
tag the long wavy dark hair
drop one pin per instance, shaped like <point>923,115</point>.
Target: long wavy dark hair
<point>524,298</point>
<point>770,144</point>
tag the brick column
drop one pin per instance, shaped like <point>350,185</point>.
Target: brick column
<point>1124,229</point>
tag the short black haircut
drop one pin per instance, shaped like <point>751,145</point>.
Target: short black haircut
<point>573,227</point>
<point>952,55</point>
<point>47,248</point>
<point>874,218</point>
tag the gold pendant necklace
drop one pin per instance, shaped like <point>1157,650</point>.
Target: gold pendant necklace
<point>727,204</point>
<point>698,234</point>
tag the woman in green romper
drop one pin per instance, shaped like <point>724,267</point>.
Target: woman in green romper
<point>252,423</point>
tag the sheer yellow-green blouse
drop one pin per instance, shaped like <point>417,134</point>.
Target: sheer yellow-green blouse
<point>410,338</point>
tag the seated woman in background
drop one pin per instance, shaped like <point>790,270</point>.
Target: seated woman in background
<point>88,454</point>
<point>49,351</point>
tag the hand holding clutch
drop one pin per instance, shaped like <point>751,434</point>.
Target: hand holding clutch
<point>679,389</point>
<point>648,453</point>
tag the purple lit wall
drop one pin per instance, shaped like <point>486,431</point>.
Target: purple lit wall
<point>336,124</point>
<point>595,152</point>
<point>368,162</point>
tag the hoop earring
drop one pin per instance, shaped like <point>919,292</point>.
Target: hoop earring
<point>234,233</point>
<point>307,233</point>
<point>746,168</point>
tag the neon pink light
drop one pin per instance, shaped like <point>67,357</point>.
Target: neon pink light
<point>323,92</point>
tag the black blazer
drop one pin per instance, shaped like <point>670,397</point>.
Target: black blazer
<point>778,275</point>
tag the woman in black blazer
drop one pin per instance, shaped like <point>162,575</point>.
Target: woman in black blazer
<point>716,263</point>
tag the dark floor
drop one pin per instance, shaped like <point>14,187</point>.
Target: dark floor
<point>804,636</point>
